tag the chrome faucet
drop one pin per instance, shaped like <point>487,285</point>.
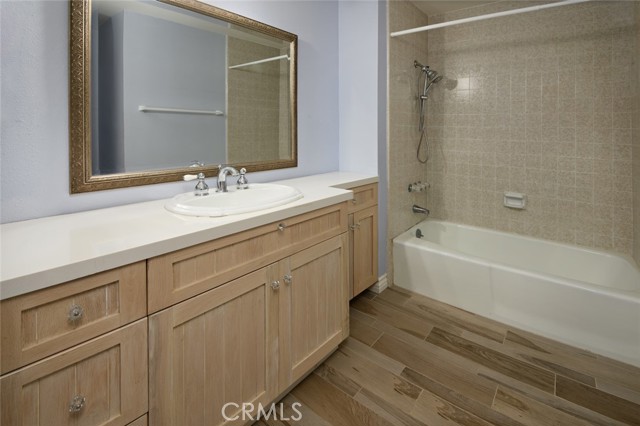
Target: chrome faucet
<point>417,209</point>
<point>222,176</point>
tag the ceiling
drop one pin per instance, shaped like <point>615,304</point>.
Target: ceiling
<point>438,7</point>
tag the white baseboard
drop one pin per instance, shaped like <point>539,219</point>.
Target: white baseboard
<point>381,285</point>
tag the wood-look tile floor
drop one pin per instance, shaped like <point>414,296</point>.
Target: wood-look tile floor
<point>413,361</point>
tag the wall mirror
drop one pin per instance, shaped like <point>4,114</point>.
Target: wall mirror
<point>163,88</point>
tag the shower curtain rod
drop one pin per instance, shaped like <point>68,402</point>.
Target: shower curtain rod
<point>488,16</point>
<point>261,61</point>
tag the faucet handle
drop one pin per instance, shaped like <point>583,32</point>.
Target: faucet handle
<point>201,187</point>
<point>187,178</point>
<point>243,183</point>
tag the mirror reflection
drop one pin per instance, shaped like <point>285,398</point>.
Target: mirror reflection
<point>171,86</point>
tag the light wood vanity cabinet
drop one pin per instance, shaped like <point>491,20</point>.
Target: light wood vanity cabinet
<point>314,307</point>
<point>39,324</point>
<point>81,362</point>
<point>214,349</point>
<point>248,339</point>
<point>185,273</point>
<point>99,382</point>
<point>363,196</point>
<point>172,339</point>
<point>363,243</point>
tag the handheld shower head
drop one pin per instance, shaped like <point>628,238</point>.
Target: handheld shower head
<point>431,74</point>
<point>428,85</point>
<point>431,77</point>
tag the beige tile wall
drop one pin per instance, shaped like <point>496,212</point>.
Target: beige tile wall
<point>256,94</point>
<point>636,146</point>
<point>539,103</point>
<point>403,167</point>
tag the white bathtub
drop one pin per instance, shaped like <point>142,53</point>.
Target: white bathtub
<point>586,298</point>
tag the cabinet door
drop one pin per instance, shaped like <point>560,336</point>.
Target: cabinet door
<point>314,307</point>
<point>100,382</point>
<point>214,349</point>
<point>364,237</point>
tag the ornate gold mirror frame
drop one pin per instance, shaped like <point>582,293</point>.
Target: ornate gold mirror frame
<point>81,175</point>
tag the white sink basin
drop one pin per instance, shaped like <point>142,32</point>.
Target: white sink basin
<point>259,196</point>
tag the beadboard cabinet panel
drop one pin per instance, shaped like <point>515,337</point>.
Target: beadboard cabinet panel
<point>363,239</point>
<point>212,350</point>
<point>39,324</point>
<point>100,382</point>
<point>363,196</point>
<point>185,273</point>
<point>313,307</point>
<point>364,235</point>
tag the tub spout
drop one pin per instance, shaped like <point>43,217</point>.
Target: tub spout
<point>417,209</point>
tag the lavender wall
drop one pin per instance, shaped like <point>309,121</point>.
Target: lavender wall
<point>362,97</point>
<point>358,91</point>
<point>34,71</point>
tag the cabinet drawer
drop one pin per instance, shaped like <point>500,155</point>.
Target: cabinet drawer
<point>182,274</point>
<point>363,197</point>
<point>100,382</point>
<point>42,323</point>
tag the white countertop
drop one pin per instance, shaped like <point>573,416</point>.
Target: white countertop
<point>44,252</point>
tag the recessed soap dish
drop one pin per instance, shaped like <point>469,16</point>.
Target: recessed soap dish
<point>515,200</point>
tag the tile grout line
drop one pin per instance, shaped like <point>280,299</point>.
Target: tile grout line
<point>456,321</point>
<point>415,402</point>
<point>376,341</point>
<point>358,392</point>
<point>363,313</point>
<point>495,394</point>
<point>428,334</point>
